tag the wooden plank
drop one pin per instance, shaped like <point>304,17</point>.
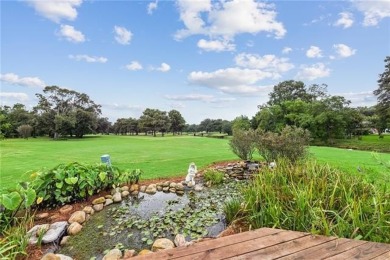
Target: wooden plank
<point>211,244</point>
<point>283,249</point>
<point>385,256</point>
<point>368,250</point>
<point>244,247</point>
<point>325,250</point>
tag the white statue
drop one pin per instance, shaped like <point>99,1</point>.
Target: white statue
<point>190,178</point>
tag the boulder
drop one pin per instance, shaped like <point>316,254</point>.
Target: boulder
<point>66,209</point>
<point>172,185</point>
<point>134,193</point>
<point>64,240</point>
<point>113,254</point>
<point>125,188</point>
<point>190,184</point>
<point>77,216</point>
<point>108,202</point>
<point>54,217</point>
<point>161,244</point>
<point>134,187</point>
<point>55,231</point>
<point>180,240</point>
<point>125,193</point>
<point>128,253</point>
<point>98,207</point>
<point>159,188</point>
<point>41,216</point>
<point>180,192</point>
<point>74,228</point>
<point>37,231</point>
<point>88,210</point>
<point>166,189</point>
<point>50,256</point>
<point>99,200</point>
<point>173,190</point>
<point>166,184</point>
<point>179,186</point>
<point>151,189</point>
<point>108,196</point>
<point>198,187</point>
<point>142,188</point>
<point>117,197</point>
<point>64,257</point>
<point>145,252</point>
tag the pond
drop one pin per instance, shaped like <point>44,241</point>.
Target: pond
<point>136,222</point>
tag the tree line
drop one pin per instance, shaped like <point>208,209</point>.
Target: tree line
<point>62,112</point>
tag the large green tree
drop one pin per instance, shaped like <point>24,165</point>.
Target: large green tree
<point>177,121</point>
<point>154,120</point>
<point>383,96</point>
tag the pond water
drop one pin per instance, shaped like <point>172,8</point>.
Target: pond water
<point>136,222</point>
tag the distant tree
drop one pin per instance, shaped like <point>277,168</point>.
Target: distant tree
<point>205,125</point>
<point>177,121</point>
<point>383,97</point>
<point>103,125</point>
<point>227,127</point>
<point>154,120</point>
<point>241,123</point>
<point>25,131</point>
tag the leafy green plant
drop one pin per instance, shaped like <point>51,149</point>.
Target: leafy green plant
<point>232,209</point>
<point>243,143</point>
<point>313,197</point>
<point>213,176</point>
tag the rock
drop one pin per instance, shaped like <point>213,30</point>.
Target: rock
<point>125,193</point>
<point>100,200</point>
<point>143,188</point>
<point>50,256</point>
<point>108,197</point>
<point>198,187</point>
<point>166,189</point>
<point>55,231</point>
<point>74,228</point>
<point>64,257</point>
<point>151,189</point>
<point>179,186</point>
<point>161,244</point>
<point>113,191</point>
<point>125,188</point>
<point>41,216</point>
<point>108,202</point>
<point>145,252</point>
<point>66,209</point>
<point>173,190</point>
<point>77,216</point>
<point>128,253</point>
<point>134,187</point>
<point>117,197</point>
<point>159,188</point>
<point>98,207</point>
<point>64,240</point>
<point>180,192</point>
<point>180,240</point>
<point>37,231</point>
<point>166,184</point>
<point>134,193</point>
<point>172,185</point>
<point>54,217</point>
<point>190,184</point>
<point>88,210</point>
<point>113,254</point>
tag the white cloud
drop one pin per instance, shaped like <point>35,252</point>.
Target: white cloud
<point>364,98</point>
<point>231,80</point>
<point>121,107</point>
<point>70,34</point>
<point>314,52</point>
<point>217,45</point>
<point>163,67</point>
<point>122,35</point>
<point>315,71</point>
<point>17,96</point>
<point>152,6</point>
<point>228,18</point>
<point>345,20</point>
<point>199,97</point>
<point>373,11</point>
<point>14,79</point>
<point>269,63</point>
<point>56,10</point>
<point>87,58</point>
<point>286,50</point>
<point>134,65</point>
<point>343,51</point>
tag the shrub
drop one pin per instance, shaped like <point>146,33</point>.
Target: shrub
<point>313,197</point>
<point>242,143</point>
<point>232,209</point>
<point>213,176</point>
<point>290,144</point>
<point>25,131</point>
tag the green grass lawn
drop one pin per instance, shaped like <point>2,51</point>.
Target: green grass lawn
<point>156,156</point>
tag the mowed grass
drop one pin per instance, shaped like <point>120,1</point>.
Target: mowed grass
<point>156,156</point>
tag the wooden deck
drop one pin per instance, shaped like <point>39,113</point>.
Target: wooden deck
<point>268,243</point>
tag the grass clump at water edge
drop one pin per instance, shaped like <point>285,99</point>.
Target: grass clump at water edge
<point>316,198</point>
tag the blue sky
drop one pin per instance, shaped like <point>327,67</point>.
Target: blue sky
<point>207,59</point>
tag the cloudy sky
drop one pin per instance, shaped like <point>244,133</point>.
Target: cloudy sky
<point>207,59</point>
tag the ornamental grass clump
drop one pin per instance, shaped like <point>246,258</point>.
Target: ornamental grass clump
<point>313,197</point>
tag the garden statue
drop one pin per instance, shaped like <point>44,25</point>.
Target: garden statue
<point>190,178</point>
